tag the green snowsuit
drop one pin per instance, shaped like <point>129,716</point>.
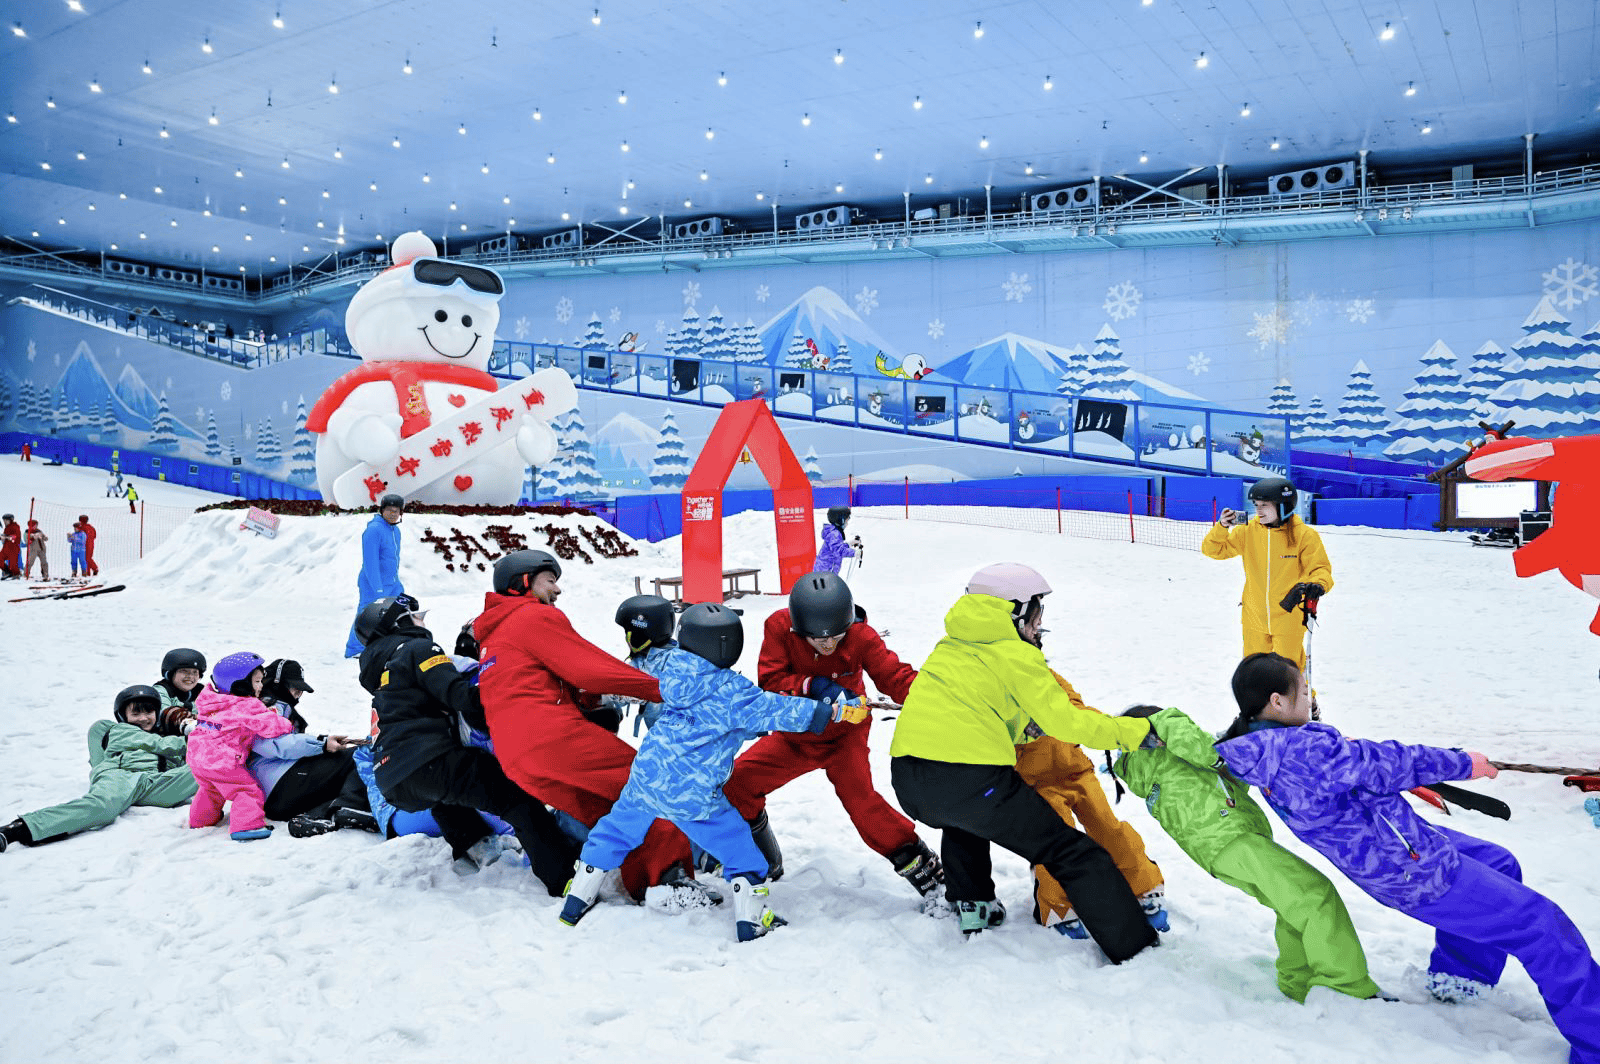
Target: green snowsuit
<point>127,766</point>
<point>1213,819</point>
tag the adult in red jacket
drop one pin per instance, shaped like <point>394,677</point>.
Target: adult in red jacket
<point>537,679</point>
<point>10,548</point>
<point>88,544</point>
<point>817,647</point>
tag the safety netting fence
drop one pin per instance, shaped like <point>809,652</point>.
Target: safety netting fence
<point>123,533</point>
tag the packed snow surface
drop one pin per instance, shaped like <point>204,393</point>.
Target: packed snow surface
<point>150,941</point>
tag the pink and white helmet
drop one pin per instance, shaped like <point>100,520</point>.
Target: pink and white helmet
<point>1012,581</point>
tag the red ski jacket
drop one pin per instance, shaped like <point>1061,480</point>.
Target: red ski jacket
<point>788,663</point>
<point>533,660</point>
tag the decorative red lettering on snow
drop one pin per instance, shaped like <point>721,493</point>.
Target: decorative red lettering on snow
<point>375,485</point>
<point>501,416</point>
<point>441,449</point>
<point>407,467</point>
<point>533,398</point>
<point>471,431</point>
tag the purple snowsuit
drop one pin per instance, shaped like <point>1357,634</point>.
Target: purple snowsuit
<point>834,550</point>
<point>1343,798</point>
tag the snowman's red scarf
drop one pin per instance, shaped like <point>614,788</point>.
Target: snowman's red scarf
<point>407,378</point>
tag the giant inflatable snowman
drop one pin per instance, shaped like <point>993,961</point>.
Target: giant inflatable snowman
<point>421,416</point>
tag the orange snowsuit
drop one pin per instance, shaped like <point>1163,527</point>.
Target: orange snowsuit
<point>1064,776</point>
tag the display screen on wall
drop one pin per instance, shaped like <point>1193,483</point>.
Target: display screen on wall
<point>1095,416</point>
<point>597,361</point>
<point>930,404</point>
<point>791,382</point>
<point>1507,498</point>
<point>685,374</point>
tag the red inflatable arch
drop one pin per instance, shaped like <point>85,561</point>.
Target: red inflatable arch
<point>744,424</point>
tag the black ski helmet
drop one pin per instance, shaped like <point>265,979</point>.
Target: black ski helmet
<point>713,632</point>
<point>393,500</point>
<point>838,516</point>
<point>510,571</point>
<point>648,620</point>
<point>1278,490</point>
<point>382,616</point>
<point>181,658</point>
<point>137,693</point>
<point>821,606</point>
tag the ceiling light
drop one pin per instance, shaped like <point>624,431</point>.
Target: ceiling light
<point>324,193</point>
<point>12,118</point>
<point>688,203</point>
<point>61,221</point>
<point>977,31</point>
<point>407,68</point>
<point>16,28</point>
<point>113,247</point>
<point>538,115</point>
<point>44,166</point>
<point>213,119</point>
<point>916,104</point>
<point>282,202</point>
<point>565,217</point>
<point>711,134</point>
<point>164,133</point>
<point>146,67</point>
<point>91,206</point>
<point>94,86</point>
<point>333,85</point>
<point>1360,214</point>
<point>206,212</point>
<point>1144,156</point>
<point>928,180</point>
<point>243,208</point>
<point>761,195</point>
<point>623,209</point>
<point>285,163</point>
<point>274,258</point>
<point>511,221</point>
<point>878,154</point>
<point>1275,145</point>
<point>1028,169</point>
<point>551,158</point>
<point>1049,83</point>
<point>277,20</point>
<point>596,17</point>
<point>1147,3</point>
<point>215,248</point>
<point>624,145</point>
<point>838,188</point>
<point>630,182</point>
<point>805,119</point>
<point>174,223</point>
<point>1201,62</point>
<point>722,77</point>
<point>704,176</point>
<point>50,102</point>
<point>238,173</point>
<point>1406,214</point>
<point>143,236</point>
<point>122,195</point>
<point>206,46</point>
<point>158,190</point>
<point>838,56</point>
<point>338,153</point>
<point>372,186</point>
<point>1411,88</point>
<point>1387,33</point>
<point>81,156</point>
<point>426,179</point>
<point>452,204</point>
<point>1244,110</point>
<point>484,168</point>
<point>305,247</point>
<point>1427,127</point>
<point>75,5</point>
<point>396,142</point>
<point>321,226</point>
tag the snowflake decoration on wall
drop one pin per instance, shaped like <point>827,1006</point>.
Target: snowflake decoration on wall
<point>1571,283</point>
<point>1199,363</point>
<point>1270,328</point>
<point>168,385</point>
<point>1122,301</point>
<point>1357,311</point>
<point>936,328</point>
<point>1309,307</point>
<point>866,300</point>
<point>661,326</point>
<point>522,328</point>
<point>33,350</point>
<point>249,431</point>
<point>199,413</point>
<point>58,358</point>
<point>1015,287</point>
<point>283,407</point>
<point>226,391</point>
<point>763,293</point>
<point>615,315</point>
<point>563,310</point>
<point>691,293</point>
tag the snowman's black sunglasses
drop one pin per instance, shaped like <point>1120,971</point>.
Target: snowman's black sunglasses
<point>444,274</point>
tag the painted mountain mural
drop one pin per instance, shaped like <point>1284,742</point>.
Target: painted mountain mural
<point>137,396</point>
<point>1026,364</point>
<point>83,384</point>
<point>823,316</point>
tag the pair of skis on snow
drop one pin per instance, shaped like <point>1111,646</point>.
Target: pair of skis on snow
<point>48,591</point>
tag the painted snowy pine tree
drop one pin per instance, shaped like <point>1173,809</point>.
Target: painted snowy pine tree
<point>1076,377</point>
<point>715,342</point>
<point>750,349</point>
<point>1438,413</point>
<point>670,470</point>
<point>1487,371</point>
<point>62,417</point>
<point>302,449</point>
<point>580,479</point>
<point>799,354</point>
<point>1108,376</point>
<point>1283,402</point>
<point>163,432</point>
<point>686,341</point>
<point>1556,391</point>
<point>594,334</point>
<point>812,465</point>
<point>1360,419</point>
<point>842,361</point>
<point>5,398</point>
<point>108,423</point>
<point>213,442</point>
<point>268,451</point>
<point>1316,426</point>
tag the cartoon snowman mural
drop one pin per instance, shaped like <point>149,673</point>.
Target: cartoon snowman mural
<point>421,416</point>
<point>1025,429</point>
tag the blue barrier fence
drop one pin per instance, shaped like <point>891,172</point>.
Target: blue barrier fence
<point>145,465</point>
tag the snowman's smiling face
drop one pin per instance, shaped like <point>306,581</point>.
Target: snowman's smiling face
<point>451,332</point>
<point>430,327</point>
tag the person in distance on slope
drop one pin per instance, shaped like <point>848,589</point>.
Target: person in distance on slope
<point>1342,797</point>
<point>10,548</point>
<point>37,552</point>
<point>181,672</point>
<point>88,546</point>
<point>77,549</point>
<point>822,647</point>
<point>1212,817</point>
<point>954,755</point>
<point>419,760</point>
<point>380,562</point>
<point>707,712</point>
<point>541,683</point>
<point>129,765</point>
<point>1285,566</point>
<point>231,717</point>
<point>834,549</point>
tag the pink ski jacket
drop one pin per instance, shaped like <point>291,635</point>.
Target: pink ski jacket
<point>227,726</point>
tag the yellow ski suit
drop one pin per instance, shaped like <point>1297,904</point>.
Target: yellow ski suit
<point>1275,560</point>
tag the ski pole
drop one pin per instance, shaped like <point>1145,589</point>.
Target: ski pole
<point>1308,617</point>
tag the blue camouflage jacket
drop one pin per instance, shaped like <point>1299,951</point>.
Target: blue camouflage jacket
<point>707,713</point>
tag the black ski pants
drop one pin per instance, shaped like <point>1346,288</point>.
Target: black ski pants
<point>318,785</point>
<point>456,784</point>
<point>976,805</point>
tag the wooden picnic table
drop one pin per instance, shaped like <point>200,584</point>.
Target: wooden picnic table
<point>671,587</point>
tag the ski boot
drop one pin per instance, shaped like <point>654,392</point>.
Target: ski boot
<point>919,866</point>
<point>1153,902</point>
<point>581,893</point>
<point>252,835</point>
<point>752,918</point>
<point>767,843</point>
<point>16,831</point>
<point>1072,927</point>
<point>980,915</point>
<point>305,826</point>
<point>1455,989</point>
<point>359,819</point>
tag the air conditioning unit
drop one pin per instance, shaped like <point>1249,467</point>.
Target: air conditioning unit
<point>703,227</point>
<point>1065,199</point>
<point>823,218</point>
<point>1317,179</point>
<point>1198,193</point>
<point>567,238</point>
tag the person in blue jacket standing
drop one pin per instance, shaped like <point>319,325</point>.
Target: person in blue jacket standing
<point>380,562</point>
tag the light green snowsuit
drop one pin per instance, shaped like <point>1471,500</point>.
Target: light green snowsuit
<point>127,766</point>
<point>1213,819</point>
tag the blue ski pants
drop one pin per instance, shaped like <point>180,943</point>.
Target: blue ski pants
<point>1488,913</point>
<point>724,834</point>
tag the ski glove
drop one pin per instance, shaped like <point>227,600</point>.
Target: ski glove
<point>850,712</point>
<point>1481,767</point>
<point>1302,593</point>
<point>825,690</point>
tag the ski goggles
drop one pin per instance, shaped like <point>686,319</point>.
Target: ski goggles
<point>443,273</point>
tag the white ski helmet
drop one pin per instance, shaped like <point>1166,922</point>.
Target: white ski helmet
<point>1013,581</point>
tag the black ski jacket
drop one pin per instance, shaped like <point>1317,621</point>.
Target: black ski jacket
<point>417,691</point>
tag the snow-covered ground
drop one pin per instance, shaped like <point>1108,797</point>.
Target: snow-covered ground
<point>151,941</point>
